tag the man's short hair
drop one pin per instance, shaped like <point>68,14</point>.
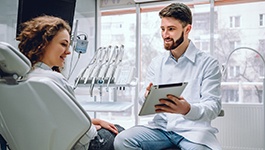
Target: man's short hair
<point>179,11</point>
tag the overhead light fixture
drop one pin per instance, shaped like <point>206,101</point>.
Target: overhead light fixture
<point>144,1</point>
<point>149,1</point>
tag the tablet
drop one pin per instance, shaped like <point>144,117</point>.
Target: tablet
<point>159,92</point>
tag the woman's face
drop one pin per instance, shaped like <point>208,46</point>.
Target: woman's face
<point>57,50</point>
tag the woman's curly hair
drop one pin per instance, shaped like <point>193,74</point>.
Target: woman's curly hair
<point>36,34</point>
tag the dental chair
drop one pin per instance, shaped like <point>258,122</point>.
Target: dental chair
<point>36,113</point>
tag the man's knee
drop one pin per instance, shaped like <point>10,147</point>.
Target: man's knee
<point>118,141</point>
<point>188,145</point>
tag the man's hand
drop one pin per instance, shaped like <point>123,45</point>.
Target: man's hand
<point>173,105</point>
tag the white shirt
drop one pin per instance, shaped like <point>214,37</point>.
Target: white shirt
<point>202,72</point>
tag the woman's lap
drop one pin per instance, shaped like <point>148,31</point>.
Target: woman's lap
<point>104,140</point>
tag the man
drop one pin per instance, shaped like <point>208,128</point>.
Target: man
<point>185,123</point>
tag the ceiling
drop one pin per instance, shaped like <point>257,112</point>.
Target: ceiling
<point>84,8</point>
<point>9,8</point>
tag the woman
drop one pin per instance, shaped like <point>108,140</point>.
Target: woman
<point>45,40</point>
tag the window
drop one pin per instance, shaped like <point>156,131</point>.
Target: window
<point>233,96</point>
<point>234,44</point>
<point>203,45</point>
<point>226,18</point>
<point>119,30</point>
<point>234,21</point>
<point>261,71</point>
<point>262,45</point>
<point>262,52</point>
<point>262,20</point>
<point>234,71</point>
<point>230,95</point>
<point>201,21</point>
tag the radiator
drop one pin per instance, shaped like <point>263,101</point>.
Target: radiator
<point>241,128</point>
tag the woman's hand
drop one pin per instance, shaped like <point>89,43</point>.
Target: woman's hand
<point>104,124</point>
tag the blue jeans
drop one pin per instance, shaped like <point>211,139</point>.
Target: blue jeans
<point>104,139</point>
<point>2,143</point>
<point>143,138</point>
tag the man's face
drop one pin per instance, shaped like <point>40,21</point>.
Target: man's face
<point>172,32</point>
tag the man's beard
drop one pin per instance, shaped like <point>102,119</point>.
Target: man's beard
<point>175,44</point>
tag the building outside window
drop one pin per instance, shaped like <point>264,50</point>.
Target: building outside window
<point>261,47</point>
<point>234,44</point>
<point>234,21</point>
<point>234,71</point>
<point>203,45</point>
<point>262,20</point>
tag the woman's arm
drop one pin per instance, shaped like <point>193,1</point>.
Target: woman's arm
<point>104,124</point>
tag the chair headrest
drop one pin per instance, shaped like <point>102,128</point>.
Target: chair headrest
<point>12,61</point>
